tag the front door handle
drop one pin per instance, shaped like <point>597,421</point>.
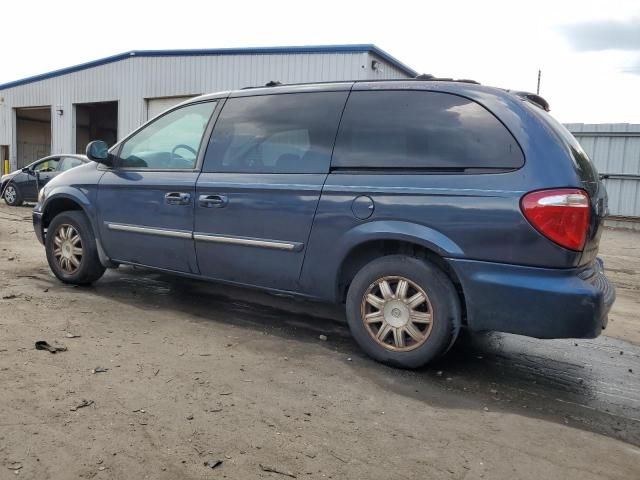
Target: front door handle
<point>177,198</point>
<point>210,201</point>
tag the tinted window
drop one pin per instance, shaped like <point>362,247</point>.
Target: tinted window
<point>170,142</point>
<point>288,133</point>
<point>68,163</point>
<point>384,129</point>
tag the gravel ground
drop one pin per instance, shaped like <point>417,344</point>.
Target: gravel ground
<point>201,373</point>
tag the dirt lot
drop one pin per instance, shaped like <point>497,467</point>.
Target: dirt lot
<point>198,373</point>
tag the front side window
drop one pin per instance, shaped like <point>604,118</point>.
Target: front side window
<point>47,166</point>
<point>422,130</point>
<point>285,133</point>
<point>170,142</point>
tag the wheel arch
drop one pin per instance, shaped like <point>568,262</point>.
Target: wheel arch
<point>397,239</point>
<point>70,199</point>
<point>62,202</point>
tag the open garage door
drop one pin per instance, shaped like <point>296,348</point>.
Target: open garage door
<point>96,121</point>
<point>155,106</point>
<point>33,134</point>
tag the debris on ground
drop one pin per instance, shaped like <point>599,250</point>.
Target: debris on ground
<point>213,463</point>
<point>99,370</point>
<point>43,345</point>
<point>11,296</point>
<point>269,468</point>
<point>15,466</point>
<point>323,338</point>
<point>82,404</point>
<point>72,335</point>
<point>335,455</point>
<point>190,417</point>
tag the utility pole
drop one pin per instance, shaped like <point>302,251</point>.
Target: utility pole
<point>539,75</point>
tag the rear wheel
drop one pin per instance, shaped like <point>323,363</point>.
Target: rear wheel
<point>403,311</point>
<point>12,195</point>
<point>71,249</point>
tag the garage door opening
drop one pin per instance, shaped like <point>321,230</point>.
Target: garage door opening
<point>96,121</point>
<point>33,134</point>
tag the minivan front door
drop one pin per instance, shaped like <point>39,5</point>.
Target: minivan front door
<point>145,203</point>
<point>263,173</point>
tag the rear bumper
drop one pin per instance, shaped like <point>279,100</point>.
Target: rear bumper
<point>536,302</point>
<point>37,225</point>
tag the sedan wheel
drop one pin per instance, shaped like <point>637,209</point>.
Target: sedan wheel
<point>12,195</point>
<point>397,313</point>
<point>67,249</point>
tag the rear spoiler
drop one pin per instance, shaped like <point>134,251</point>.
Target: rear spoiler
<point>532,97</point>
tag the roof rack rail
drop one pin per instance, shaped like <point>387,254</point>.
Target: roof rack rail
<point>433,78</point>
<point>270,83</point>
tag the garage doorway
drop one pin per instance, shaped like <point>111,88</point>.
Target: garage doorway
<point>33,134</point>
<point>4,158</point>
<point>155,106</point>
<point>95,121</point>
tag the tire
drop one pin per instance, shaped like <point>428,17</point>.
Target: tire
<point>63,247</point>
<point>437,318</point>
<point>12,195</point>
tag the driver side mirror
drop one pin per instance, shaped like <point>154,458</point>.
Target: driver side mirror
<point>98,151</point>
<point>26,170</point>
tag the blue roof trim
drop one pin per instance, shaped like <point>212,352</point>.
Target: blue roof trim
<point>357,48</point>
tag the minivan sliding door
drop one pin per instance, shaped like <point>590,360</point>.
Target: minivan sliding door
<point>263,173</point>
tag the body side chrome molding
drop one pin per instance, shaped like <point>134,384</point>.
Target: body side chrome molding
<point>250,242</point>
<point>205,237</point>
<point>149,230</point>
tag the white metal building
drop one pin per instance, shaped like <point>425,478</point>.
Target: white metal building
<point>615,150</point>
<point>60,111</point>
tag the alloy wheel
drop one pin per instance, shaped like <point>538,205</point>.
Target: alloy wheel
<point>10,194</point>
<point>397,313</point>
<point>67,248</point>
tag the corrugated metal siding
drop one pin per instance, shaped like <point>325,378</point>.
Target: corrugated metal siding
<point>615,149</point>
<point>389,72</point>
<point>133,80</point>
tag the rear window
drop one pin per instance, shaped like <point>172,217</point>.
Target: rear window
<point>422,130</point>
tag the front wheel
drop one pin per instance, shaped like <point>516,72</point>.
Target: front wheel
<point>403,311</point>
<point>12,195</point>
<point>71,249</point>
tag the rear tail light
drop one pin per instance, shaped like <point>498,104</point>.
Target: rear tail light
<point>561,215</point>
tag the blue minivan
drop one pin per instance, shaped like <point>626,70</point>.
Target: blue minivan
<point>423,206</point>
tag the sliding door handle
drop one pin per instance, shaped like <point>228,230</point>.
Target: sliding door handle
<point>210,201</point>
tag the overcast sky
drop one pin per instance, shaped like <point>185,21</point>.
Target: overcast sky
<point>589,51</point>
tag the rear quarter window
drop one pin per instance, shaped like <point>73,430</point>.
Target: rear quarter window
<point>422,130</point>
